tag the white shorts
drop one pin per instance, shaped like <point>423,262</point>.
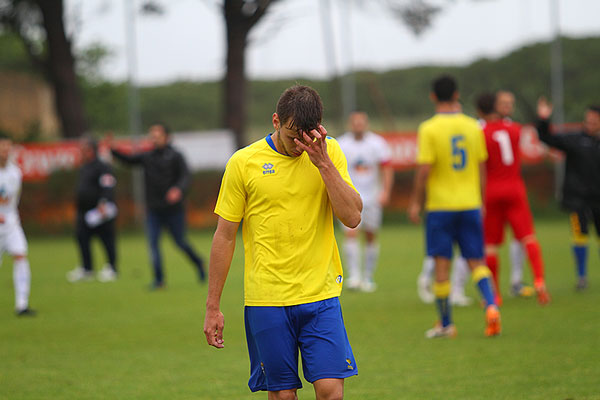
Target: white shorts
<point>12,240</point>
<point>371,217</point>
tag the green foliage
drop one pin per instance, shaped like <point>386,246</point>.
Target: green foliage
<point>399,95</point>
<point>118,341</point>
<point>13,56</point>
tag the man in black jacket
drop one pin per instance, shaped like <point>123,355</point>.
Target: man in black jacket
<point>581,187</point>
<point>166,178</point>
<point>96,212</point>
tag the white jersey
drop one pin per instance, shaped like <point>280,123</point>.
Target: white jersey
<point>10,191</point>
<point>365,158</point>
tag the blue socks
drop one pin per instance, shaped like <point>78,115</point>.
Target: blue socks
<point>580,259</point>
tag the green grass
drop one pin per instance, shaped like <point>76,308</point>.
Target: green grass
<point>119,341</point>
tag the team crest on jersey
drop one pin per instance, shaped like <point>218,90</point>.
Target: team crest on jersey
<point>339,279</point>
<point>107,181</point>
<point>4,199</point>
<point>268,169</point>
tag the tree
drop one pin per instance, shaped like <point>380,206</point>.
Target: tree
<point>40,26</point>
<point>240,17</point>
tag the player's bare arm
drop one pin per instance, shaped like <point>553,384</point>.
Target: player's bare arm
<point>418,196</point>
<point>388,181</point>
<point>221,253</point>
<point>346,202</point>
<point>482,183</point>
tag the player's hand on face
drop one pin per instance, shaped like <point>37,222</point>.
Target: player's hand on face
<point>414,212</point>
<point>544,108</point>
<point>214,322</point>
<point>315,145</point>
<point>173,195</point>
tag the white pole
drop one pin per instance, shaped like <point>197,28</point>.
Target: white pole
<point>135,120</point>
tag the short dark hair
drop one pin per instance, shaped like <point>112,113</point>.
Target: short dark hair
<point>301,107</point>
<point>444,87</point>
<point>5,136</point>
<point>486,103</point>
<point>594,108</point>
<point>163,125</point>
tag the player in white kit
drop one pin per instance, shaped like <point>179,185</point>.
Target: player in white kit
<point>368,157</point>
<point>12,238</point>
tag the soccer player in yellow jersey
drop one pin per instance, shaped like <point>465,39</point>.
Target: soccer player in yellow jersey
<point>286,188</point>
<point>451,152</point>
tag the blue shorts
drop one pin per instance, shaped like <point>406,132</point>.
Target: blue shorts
<point>275,334</point>
<point>444,228</point>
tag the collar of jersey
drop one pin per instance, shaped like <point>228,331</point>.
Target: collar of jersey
<point>269,140</point>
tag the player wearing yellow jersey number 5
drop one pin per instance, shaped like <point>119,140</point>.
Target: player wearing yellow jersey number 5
<point>451,152</point>
<point>286,188</point>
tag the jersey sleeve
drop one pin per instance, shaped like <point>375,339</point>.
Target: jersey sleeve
<point>339,160</point>
<point>231,203</point>
<point>425,150</point>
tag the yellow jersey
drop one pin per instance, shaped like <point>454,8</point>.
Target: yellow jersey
<point>454,145</point>
<point>291,255</point>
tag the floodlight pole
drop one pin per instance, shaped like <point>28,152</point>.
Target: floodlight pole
<point>135,120</point>
<point>557,86</point>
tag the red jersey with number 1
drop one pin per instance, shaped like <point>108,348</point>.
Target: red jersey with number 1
<point>503,166</point>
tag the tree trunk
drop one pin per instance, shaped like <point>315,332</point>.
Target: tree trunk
<point>235,112</point>
<point>239,20</point>
<point>60,70</point>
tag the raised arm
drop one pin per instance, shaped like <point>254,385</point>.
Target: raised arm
<point>221,253</point>
<point>544,111</point>
<point>131,159</point>
<point>345,201</point>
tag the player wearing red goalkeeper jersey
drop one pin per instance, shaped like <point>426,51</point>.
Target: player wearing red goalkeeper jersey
<point>506,197</point>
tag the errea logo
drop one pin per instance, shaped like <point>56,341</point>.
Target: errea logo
<point>268,169</point>
<point>339,279</point>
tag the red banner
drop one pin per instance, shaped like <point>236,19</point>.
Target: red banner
<point>39,160</point>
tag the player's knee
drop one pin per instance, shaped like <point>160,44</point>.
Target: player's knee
<point>337,394</point>
<point>18,257</point>
<point>329,389</point>
<point>283,395</point>
<point>529,239</point>
<point>491,249</point>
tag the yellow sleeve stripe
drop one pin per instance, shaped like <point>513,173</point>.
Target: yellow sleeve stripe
<point>480,273</point>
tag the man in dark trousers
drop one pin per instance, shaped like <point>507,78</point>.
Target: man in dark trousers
<point>166,178</point>
<point>96,212</point>
<point>581,186</point>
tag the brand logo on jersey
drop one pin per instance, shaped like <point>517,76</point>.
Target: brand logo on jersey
<point>349,361</point>
<point>268,169</point>
<point>339,279</point>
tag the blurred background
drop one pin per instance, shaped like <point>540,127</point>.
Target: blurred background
<point>213,71</point>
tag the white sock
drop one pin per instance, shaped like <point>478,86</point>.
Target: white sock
<point>22,282</point>
<point>516,262</point>
<point>460,274</point>
<point>428,269</point>
<point>371,257</point>
<point>352,252</point>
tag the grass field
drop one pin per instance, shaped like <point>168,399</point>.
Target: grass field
<point>120,341</point>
